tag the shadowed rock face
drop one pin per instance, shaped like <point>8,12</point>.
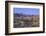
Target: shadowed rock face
<point>21,21</point>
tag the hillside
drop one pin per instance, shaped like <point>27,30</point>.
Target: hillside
<point>22,20</point>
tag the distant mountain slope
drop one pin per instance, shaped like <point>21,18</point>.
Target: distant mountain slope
<point>23,15</point>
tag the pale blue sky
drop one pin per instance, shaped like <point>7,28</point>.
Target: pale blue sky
<point>27,11</point>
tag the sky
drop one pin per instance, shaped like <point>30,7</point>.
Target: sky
<point>27,11</point>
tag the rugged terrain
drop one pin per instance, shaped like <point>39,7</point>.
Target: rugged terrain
<point>22,20</point>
